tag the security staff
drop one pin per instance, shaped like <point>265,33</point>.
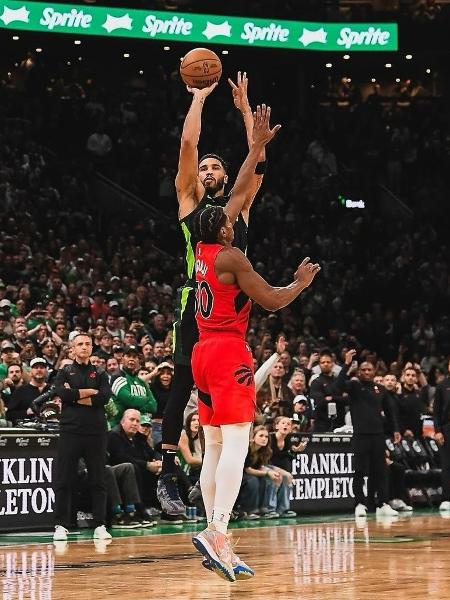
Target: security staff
<point>368,403</point>
<point>84,390</point>
<point>442,435</point>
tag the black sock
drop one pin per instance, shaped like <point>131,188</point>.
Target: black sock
<point>168,462</point>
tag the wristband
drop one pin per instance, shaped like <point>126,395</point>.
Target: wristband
<point>261,167</point>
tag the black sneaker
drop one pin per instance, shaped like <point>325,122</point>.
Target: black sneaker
<point>174,519</point>
<point>168,496</point>
<point>125,521</point>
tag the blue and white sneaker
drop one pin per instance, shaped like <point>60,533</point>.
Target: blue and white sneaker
<point>241,570</point>
<point>216,548</point>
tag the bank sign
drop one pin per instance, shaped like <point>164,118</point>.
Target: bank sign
<point>202,29</point>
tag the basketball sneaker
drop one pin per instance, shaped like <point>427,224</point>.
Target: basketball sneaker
<point>168,496</point>
<point>241,570</point>
<point>216,547</point>
<point>385,511</point>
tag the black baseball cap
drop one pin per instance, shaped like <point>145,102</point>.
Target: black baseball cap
<point>131,350</point>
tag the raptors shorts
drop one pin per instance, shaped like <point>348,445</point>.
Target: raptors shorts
<point>223,373</point>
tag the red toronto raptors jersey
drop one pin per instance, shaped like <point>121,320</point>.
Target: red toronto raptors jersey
<point>219,308</point>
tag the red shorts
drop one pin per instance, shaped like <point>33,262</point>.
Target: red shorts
<point>223,373</point>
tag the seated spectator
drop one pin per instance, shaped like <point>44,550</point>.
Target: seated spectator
<point>124,499</point>
<point>259,479</point>
<point>190,448</point>
<point>129,391</point>
<point>127,445</point>
<point>19,406</point>
<point>277,396</point>
<point>160,388</point>
<point>302,416</point>
<point>7,351</point>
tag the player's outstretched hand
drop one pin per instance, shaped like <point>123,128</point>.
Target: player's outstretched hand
<point>239,91</point>
<point>306,272</point>
<point>204,92</point>
<point>262,133</point>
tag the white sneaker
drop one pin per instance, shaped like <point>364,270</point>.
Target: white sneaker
<point>100,533</point>
<point>444,505</point>
<point>60,534</point>
<point>361,510</point>
<point>400,505</point>
<point>386,511</point>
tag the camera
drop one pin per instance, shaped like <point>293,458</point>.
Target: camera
<point>37,403</point>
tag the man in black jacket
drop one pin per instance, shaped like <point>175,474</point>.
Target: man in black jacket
<point>442,435</point>
<point>369,402</point>
<point>84,390</point>
<point>127,445</point>
<point>413,403</point>
<point>329,404</point>
<point>19,405</point>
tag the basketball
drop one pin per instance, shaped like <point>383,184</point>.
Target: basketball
<point>200,68</point>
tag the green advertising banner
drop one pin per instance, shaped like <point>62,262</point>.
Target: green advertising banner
<point>195,28</point>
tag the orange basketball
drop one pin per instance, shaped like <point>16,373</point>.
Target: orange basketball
<point>200,68</point>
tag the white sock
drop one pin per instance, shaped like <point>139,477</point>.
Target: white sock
<point>213,448</point>
<point>235,441</point>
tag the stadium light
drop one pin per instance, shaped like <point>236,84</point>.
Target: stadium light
<point>77,42</point>
<point>346,56</point>
<point>329,65</point>
<point>126,55</point>
<point>15,38</point>
<point>408,57</point>
<point>388,65</point>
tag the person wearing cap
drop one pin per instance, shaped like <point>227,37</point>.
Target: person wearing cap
<point>302,415</point>
<point>84,391</point>
<point>7,351</point>
<point>19,406</point>
<point>129,390</point>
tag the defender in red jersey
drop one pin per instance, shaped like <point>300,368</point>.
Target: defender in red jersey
<point>222,361</point>
<point>223,371</point>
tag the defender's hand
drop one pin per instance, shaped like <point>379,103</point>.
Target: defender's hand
<point>239,92</point>
<point>262,134</point>
<point>306,272</point>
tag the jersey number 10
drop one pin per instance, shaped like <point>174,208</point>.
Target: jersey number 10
<point>204,299</point>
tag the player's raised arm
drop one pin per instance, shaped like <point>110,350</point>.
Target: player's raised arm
<point>262,135</point>
<point>241,102</point>
<point>232,261</point>
<point>186,180</point>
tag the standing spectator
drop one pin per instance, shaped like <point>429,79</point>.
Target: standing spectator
<point>19,406</point>
<point>161,389</point>
<point>413,403</point>
<point>12,381</point>
<point>158,328</point>
<point>129,390</point>
<point>159,352</point>
<point>328,402</point>
<point>278,396</point>
<point>367,403</point>
<point>6,357</point>
<point>442,435</point>
<point>84,392</point>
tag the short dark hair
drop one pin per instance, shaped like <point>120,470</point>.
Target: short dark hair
<point>217,157</point>
<point>325,352</point>
<point>208,223</point>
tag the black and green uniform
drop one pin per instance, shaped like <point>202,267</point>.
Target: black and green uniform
<point>185,333</point>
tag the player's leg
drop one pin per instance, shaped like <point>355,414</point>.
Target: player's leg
<point>185,337</point>
<point>213,449</point>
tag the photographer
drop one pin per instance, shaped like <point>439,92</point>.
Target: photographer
<point>20,403</point>
<point>84,390</point>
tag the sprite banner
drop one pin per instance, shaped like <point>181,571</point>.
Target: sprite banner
<point>195,28</point>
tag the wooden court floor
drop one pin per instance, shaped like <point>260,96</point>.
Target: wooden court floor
<point>336,558</point>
